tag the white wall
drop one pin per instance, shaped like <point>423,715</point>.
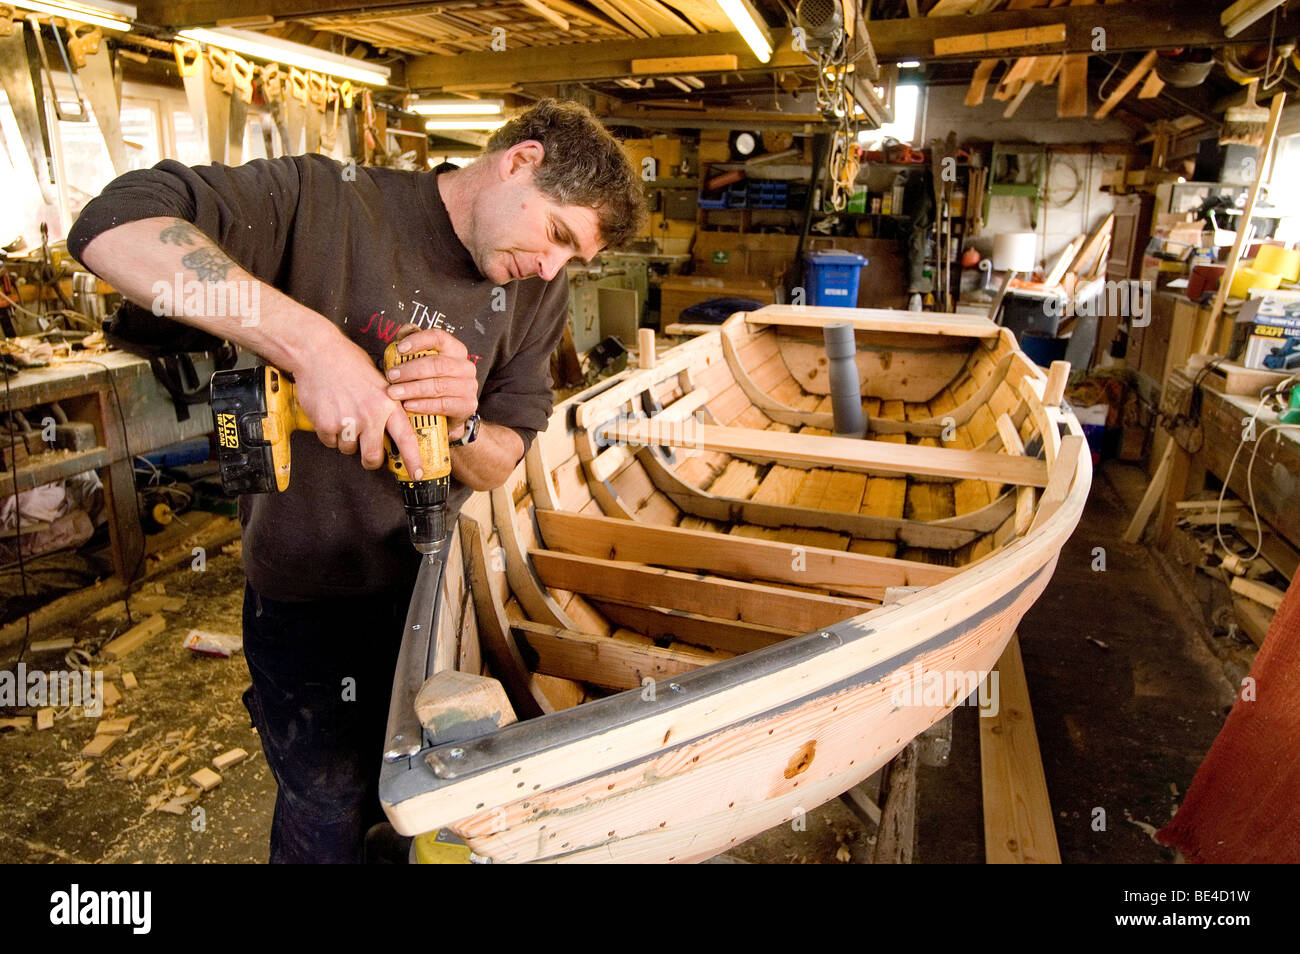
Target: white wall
<point>1066,213</point>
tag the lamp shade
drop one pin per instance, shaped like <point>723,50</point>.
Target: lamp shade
<point>1015,251</point>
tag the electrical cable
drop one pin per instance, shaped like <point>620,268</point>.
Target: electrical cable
<point>1269,81</point>
<point>1250,487</point>
<point>1078,184</point>
<point>1101,87</point>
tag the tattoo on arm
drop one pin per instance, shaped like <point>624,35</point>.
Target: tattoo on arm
<point>210,264</point>
<point>181,233</point>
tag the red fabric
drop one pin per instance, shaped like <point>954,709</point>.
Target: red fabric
<point>1243,805</point>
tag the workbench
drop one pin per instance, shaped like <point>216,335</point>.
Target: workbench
<point>1276,474</point>
<point>117,393</point>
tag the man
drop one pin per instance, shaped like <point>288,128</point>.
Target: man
<point>340,261</point>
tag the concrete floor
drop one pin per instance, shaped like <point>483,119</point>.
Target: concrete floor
<point>1122,729</point>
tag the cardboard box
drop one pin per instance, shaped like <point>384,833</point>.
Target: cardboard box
<point>1274,324</point>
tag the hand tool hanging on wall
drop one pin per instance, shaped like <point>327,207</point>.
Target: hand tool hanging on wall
<point>329,133</point>
<point>63,111</point>
<point>353,145</point>
<point>82,39</point>
<point>101,90</point>
<point>374,140</point>
<point>295,101</point>
<point>273,91</point>
<point>315,109</point>
<point>241,75</point>
<point>20,77</point>
<point>217,91</point>
<point>189,63</point>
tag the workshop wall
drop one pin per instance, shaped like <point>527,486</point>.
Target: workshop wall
<point>1075,202</point>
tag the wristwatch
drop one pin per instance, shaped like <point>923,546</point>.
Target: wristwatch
<point>470,434</point>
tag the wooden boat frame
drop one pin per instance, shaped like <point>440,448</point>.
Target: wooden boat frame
<point>690,758</point>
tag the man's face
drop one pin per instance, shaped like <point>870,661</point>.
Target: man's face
<point>517,232</point>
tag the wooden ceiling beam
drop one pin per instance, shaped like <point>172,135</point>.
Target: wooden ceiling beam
<point>1128,26</point>
<point>604,60</point>
<point>187,13</point>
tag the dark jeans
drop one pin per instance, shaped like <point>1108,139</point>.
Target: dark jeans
<point>322,675</point>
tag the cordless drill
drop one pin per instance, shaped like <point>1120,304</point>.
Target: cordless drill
<point>255,410</point>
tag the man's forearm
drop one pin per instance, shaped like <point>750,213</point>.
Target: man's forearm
<point>487,462</point>
<point>141,257</point>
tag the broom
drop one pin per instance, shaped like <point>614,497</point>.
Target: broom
<point>1245,124</point>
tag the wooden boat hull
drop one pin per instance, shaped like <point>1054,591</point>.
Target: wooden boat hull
<point>680,767</point>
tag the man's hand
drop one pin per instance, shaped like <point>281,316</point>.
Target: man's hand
<point>444,383</point>
<point>345,397</point>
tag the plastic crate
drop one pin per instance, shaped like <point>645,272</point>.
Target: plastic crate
<point>833,277</point>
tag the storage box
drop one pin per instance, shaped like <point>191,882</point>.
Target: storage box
<point>833,277</point>
<point>1274,330</point>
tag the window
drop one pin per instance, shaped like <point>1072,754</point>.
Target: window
<point>1284,186</point>
<point>907,107</point>
<point>85,160</point>
<point>191,146</point>
<point>24,209</point>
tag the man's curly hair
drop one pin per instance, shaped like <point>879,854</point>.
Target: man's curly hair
<point>583,165</point>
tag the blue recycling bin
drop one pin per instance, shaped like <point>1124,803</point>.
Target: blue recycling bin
<point>832,277</point>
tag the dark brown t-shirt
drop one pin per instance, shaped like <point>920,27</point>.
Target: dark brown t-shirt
<point>371,250</point>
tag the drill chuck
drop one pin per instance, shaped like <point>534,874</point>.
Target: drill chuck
<point>426,512</point>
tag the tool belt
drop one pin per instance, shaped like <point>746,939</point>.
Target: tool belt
<point>170,346</point>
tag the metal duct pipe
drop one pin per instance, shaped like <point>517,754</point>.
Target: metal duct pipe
<point>846,390</point>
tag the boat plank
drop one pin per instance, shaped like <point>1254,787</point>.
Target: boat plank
<point>876,319</point>
<point>572,492</point>
<point>730,402</point>
<point>1018,824</point>
<point>847,453</point>
<point>658,509</point>
<point>739,479</point>
<point>681,549</point>
<point>708,631</point>
<point>751,603</point>
<point>600,660</point>
<point>779,486</point>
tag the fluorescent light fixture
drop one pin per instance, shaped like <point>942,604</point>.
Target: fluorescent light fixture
<point>433,125</point>
<point>1243,13</point>
<point>458,107</point>
<point>291,54</point>
<point>909,65</point>
<point>106,14</point>
<point>750,25</point>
